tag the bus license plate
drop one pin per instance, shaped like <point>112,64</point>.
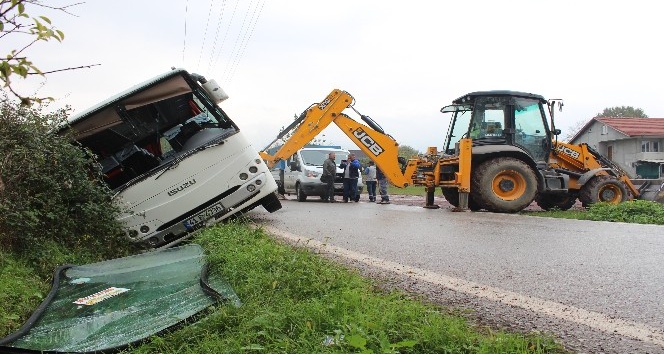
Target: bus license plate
<point>206,214</point>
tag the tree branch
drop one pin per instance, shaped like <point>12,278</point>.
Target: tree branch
<point>55,71</point>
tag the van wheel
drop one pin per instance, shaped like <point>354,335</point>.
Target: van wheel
<point>301,197</point>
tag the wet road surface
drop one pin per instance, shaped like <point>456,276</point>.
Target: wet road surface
<point>597,286</point>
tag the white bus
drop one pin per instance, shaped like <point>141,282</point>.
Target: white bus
<point>173,158</point>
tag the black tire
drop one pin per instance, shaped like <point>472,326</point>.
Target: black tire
<point>556,201</point>
<point>301,197</point>
<point>452,196</point>
<point>603,189</point>
<point>504,185</point>
<point>271,203</point>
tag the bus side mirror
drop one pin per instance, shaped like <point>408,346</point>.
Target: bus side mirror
<point>556,132</point>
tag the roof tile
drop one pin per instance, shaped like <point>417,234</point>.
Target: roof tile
<point>635,126</point>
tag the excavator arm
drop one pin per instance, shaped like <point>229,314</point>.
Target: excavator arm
<point>370,138</point>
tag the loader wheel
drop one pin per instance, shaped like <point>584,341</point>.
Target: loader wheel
<point>556,201</point>
<point>301,197</point>
<point>504,185</point>
<point>603,189</point>
<point>452,196</point>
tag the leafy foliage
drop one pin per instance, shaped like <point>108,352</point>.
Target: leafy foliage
<point>15,20</point>
<point>622,112</point>
<point>407,151</point>
<point>49,188</point>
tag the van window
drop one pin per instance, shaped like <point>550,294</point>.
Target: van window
<point>317,157</point>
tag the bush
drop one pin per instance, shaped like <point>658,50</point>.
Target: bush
<point>636,211</point>
<point>48,190</point>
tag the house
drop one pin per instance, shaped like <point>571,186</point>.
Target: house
<point>635,144</point>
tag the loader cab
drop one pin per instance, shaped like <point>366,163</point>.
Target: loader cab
<point>492,118</point>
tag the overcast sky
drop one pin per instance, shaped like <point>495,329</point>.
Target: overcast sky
<point>402,61</point>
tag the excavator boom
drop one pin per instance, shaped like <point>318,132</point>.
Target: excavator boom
<point>371,139</point>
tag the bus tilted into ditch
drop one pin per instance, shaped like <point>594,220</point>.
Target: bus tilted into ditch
<point>173,158</point>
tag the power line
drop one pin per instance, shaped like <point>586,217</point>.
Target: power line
<point>184,44</point>
<point>200,54</point>
<point>252,25</point>
<point>216,34</point>
<point>225,36</point>
<point>242,33</point>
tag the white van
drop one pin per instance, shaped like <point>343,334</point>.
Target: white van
<point>304,168</point>
<point>173,157</point>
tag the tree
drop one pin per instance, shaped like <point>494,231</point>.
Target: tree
<point>407,151</point>
<point>15,22</point>
<point>622,112</point>
<point>573,130</point>
<point>53,189</point>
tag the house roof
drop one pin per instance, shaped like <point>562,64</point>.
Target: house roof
<point>635,126</point>
<point>628,126</point>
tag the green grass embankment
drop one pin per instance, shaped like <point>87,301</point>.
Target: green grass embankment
<point>293,302</point>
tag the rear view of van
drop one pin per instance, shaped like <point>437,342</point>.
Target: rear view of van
<point>303,170</point>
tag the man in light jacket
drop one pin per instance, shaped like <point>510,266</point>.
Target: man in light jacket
<point>370,180</point>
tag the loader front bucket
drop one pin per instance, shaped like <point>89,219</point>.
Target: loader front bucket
<point>651,190</point>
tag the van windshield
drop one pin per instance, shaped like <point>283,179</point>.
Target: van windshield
<point>317,157</point>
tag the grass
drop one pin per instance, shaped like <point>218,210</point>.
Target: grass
<point>296,302</point>
<point>636,212</point>
<point>410,190</point>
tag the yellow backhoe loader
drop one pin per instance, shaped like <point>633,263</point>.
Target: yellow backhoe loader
<point>500,154</point>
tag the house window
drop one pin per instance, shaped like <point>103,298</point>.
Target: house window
<point>605,130</point>
<point>650,146</point>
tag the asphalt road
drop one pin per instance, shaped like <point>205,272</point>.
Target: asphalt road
<point>597,286</point>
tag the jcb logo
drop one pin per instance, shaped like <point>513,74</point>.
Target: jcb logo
<point>567,151</point>
<point>324,104</point>
<point>368,141</point>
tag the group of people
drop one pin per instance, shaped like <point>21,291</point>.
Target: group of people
<point>351,169</point>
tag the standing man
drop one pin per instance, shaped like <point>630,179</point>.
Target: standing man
<point>330,172</point>
<point>370,180</point>
<point>351,174</point>
<point>382,185</point>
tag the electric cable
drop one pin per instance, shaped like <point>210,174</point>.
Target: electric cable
<point>237,39</point>
<point>216,34</point>
<point>184,43</point>
<point>200,54</point>
<point>246,43</point>
<point>225,36</point>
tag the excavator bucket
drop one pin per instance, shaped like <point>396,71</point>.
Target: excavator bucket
<point>651,190</point>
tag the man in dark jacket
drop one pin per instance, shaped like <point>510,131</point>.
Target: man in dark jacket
<point>330,172</point>
<point>351,169</point>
